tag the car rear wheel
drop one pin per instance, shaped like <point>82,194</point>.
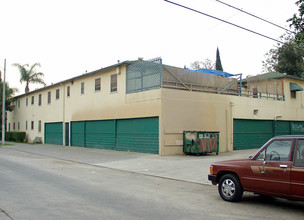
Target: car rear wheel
<point>230,188</point>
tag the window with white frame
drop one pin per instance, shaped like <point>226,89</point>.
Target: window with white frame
<point>114,83</point>
<point>39,99</point>
<point>57,93</point>
<point>82,88</point>
<point>39,126</point>
<point>49,98</point>
<point>97,85</point>
<point>68,91</point>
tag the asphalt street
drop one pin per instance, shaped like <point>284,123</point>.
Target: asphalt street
<point>183,167</point>
<point>55,182</point>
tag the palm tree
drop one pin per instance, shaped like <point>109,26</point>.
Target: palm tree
<point>29,75</point>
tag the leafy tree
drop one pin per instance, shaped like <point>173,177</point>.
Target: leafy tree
<point>29,75</point>
<point>290,59</point>
<point>206,64</point>
<point>286,58</point>
<point>9,100</point>
<point>218,63</point>
<point>297,22</point>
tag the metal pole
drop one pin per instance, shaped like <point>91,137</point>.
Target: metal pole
<point>3,105</point>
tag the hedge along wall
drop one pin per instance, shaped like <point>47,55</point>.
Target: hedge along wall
<point>15,136</point>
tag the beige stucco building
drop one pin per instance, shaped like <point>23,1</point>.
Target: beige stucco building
<point>145,106</point>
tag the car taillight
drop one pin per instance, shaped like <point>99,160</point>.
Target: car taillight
<point>211,169</point>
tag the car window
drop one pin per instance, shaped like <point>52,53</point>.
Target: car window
<point>261,155</point>
<point>278,150</point>
<point>299,157</point>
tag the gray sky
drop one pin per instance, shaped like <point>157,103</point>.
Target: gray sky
<point>69,37</point>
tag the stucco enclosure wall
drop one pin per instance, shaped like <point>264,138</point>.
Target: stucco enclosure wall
<point>195,111</point>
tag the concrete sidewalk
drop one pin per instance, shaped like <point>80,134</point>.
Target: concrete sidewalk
<point>185,168</point>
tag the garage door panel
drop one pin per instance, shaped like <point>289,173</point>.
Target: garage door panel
<point>250,141</point>
<point>297,127</point>
<point>248,134</point>
<point>138,143</point>
<point>100,134</point>
<point>138,135</point>
<point>53,133</point>
<point>100,140</point>
<point>254,133</point>
<point>77,133</point>
<point>282,127</point>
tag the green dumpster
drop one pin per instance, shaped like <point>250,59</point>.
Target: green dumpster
<point>201,142</point>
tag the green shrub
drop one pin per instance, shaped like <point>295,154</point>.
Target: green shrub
<point>15,136</point>
<point>9,136</point>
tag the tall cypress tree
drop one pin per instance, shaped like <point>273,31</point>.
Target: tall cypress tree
<point>218,63</point>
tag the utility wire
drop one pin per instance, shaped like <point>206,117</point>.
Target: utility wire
<point>246,29</point>
<point>239,9</point>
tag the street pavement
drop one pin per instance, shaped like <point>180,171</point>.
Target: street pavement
<point>189,168</point>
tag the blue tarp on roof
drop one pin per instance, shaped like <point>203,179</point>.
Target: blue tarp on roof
<point>213,72</point>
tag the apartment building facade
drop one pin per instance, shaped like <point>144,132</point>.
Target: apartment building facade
<point>145,106</point>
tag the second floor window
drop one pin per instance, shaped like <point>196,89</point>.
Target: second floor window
<point>39,99</point>
<point>57,93</point>
<point>49,98</point>
<point>68,91</point>
<point>82,88</point>
<point>114,83</point>
<point>33,100</point>
<point>97,85</point>
<point>26,101</point>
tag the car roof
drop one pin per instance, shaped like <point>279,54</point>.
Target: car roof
<point>288,136</point>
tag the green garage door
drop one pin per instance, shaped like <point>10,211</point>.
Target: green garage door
<point>297,127</point>
<point>100,134</point>
<point>93,134</point>
<point>53,133</point>
<point>77,133</point>
<point>138,135</point>
<point>281,128</point>
<point>249,134</point>
<point>254,133</point>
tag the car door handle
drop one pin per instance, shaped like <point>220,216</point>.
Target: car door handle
<point>283,166</point>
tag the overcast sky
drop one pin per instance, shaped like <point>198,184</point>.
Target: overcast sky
<point>70,37</point>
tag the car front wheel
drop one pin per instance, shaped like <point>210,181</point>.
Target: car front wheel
<point>230,188</point>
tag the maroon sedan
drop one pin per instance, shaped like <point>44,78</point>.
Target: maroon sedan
<point>277,169</point>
